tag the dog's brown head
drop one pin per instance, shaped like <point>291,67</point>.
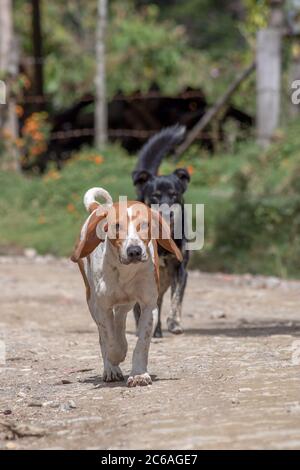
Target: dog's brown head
<point>129,226</point>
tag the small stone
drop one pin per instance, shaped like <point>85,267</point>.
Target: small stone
<point>35,404</point>
<point>54,405</point>
<point>294,408</point>
<point>21,395</point>
<point>272,282</point>
<point>235,401</point>
<point>7,412</point>
<point>66,382</point>
<point>27,430</point>
<point>245,389</point>
<point>217,314</point>
<point>46,403</point>
<point>30,253</point>
<point>11,445</point>
<point>70,405</point>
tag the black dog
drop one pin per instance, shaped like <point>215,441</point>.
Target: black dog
<point>167,190</point>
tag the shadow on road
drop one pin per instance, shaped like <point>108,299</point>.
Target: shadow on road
<point>261,329</point>
<point>97,381</point>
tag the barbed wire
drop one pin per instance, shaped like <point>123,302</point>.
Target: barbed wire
<point>113,133</point>
<point>135,97</point>
<point>89,132</point>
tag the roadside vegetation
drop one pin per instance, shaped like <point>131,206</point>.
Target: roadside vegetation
<point>251,197</point>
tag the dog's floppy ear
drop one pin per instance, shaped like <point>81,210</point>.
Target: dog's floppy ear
<point>140,177</point>
<point>162,234</point>
<point>89,239</point>
<point>184,177</point>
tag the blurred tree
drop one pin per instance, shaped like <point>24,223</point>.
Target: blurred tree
<point>293,20</point>
<point>256,18</point>
<point>135,56</point>
<point>68,36</point>
<point>204,46</point>
<point>212,25</point>
<point>100,82</point>
<point>37,45</point>
<point>6,32</point>
<point>8,72</point>
<point>269,73</point>
<point>143,51</point>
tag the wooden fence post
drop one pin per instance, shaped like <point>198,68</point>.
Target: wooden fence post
<point>213,111</point>
<point>268,75</point>
<point>8,70</point>
<point>294,74</point>
<point>100,81</point>
<point>37,44</point>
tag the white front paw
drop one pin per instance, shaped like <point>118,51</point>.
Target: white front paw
<point>174,326</point>
<point>112,373</point>
<point>139,380</point>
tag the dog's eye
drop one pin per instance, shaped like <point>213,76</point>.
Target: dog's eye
<point>144,225</point>
<point>155,197</point>
<point>172,193</point>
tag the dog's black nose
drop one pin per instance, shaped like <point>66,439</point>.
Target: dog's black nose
<point>134,253</point>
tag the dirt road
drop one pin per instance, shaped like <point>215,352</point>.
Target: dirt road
<point>231,381</point>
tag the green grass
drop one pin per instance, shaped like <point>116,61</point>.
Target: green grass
<point>259,232</point>
<point>46,213</point>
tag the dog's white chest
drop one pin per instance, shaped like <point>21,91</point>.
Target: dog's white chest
<point>117,285</point>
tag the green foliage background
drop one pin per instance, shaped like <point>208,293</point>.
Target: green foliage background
<point>251,197</point>
<point>175,44</point>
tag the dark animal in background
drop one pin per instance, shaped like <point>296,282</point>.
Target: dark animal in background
<point>167,190</point>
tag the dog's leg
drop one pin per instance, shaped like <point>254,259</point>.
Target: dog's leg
<point>139,374</point>
<point>110,354</point>
<point>179,279</point>
<point>120,330</point>
<point>164,286</point>
<point>137,314</point>
<point>158,329</point>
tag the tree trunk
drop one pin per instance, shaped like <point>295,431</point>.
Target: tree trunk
<point>268,76</point>
<point>5,33</point>
<point>37,43</point>
<point>268,84</point>
<point>8,72</point>
<point>294,74</point>
<point>276,19</point>
<point>213,111</point>
<point>100,81</point>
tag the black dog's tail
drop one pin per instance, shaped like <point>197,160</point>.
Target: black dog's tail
<point>152,153</point>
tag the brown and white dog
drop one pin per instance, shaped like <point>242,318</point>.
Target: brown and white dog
<point>118,260</point>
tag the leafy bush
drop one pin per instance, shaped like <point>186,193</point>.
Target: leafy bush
<point>46,213</point>
<point>260,230</point>
<point>137,59</point>
<point>252,204</point>
<point>135,56</point>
